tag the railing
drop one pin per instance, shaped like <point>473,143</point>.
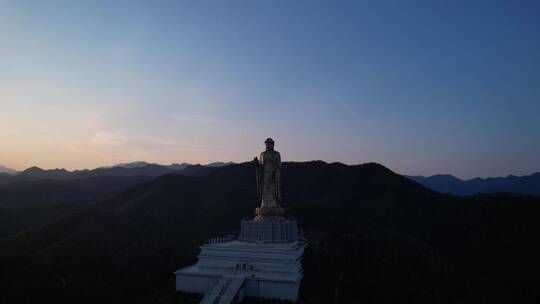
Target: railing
<point>223,239</point>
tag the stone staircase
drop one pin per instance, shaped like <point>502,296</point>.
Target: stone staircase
<point>224,291</point>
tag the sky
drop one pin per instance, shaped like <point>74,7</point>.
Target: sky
<point>422,87</point>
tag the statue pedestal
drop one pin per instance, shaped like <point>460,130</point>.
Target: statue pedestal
<point>269,213</point>
<point>269,230</point>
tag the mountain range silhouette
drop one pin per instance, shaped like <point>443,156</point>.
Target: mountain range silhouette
<point>374,236</point>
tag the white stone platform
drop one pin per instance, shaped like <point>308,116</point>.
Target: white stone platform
<point>270,269</point>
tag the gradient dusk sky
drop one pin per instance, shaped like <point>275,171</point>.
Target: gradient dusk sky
<point>422,87</point>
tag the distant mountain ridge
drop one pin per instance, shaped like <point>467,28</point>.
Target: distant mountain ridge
<point>4,169</point>
<point>138,168</point>
<point>62,174</point>
<point>219,164</point>
<point>445,183</point>
<point>138,164</point>
<point>135,164</point>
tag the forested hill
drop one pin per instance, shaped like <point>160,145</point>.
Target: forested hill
<point>374,237</point>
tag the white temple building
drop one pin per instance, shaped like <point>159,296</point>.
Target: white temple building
<point>264,261</point>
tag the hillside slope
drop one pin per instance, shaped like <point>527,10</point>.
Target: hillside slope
<point>375,236</point>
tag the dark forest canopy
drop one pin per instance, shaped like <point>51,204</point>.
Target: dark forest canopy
<point>374,236</point>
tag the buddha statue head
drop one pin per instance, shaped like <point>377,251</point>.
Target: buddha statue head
<point>269,144</point>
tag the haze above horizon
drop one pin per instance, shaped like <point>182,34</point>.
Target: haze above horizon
<point>422,87</point>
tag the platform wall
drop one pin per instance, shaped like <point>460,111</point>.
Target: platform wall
<point>195,283</point>
<point>252,287</point>
<point>271,289</point>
